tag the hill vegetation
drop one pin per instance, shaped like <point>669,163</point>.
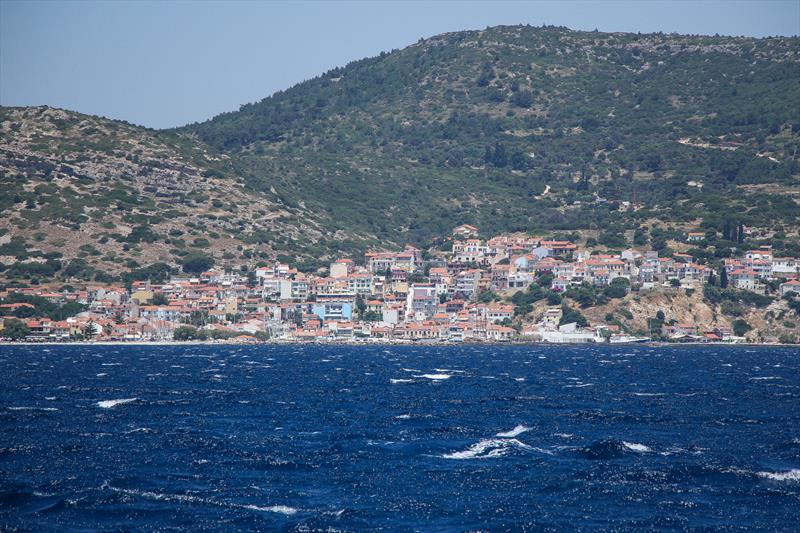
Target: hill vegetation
<point>476,126</point>
<point>611,139</point>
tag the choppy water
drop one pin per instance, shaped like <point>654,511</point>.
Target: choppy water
<point>399,438</point>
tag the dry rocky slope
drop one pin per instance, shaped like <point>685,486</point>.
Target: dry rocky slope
<point>770,324</point>
<point>111,193</point>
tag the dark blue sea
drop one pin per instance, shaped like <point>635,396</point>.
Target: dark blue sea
<point>416,438</point>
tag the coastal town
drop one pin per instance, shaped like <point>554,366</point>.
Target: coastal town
<point>475,291</point>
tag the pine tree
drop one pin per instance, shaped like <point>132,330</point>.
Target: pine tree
<point>741,233</point>
<point>488,156</point>
<point>500,159</point>
<point>726,231</point>
<point>723,278</point>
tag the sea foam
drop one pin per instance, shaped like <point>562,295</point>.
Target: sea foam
<point>518,430</point>
<point>489,448</point>
<point>789,475</point>
<point>108,404</point>
<point>635,447</point>
<point>187,498</point>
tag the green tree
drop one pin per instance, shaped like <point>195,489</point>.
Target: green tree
<point>569,315</point>
<point>15,329</point>
<point>487,297</point>
<point>159,298</point>
<point>196,263</point>
<point>522,98</point>
<point>740,327</point>
<point>361,305</point>
<point>188,333</point>
<point>618,288</point>
<point>372,316</point>
<point>88,330</point>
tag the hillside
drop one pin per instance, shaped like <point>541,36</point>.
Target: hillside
<point>609,137</point>
<point>90,198</point>
<point>475,127</point>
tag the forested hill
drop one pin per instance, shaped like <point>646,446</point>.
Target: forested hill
<point>527,128</point>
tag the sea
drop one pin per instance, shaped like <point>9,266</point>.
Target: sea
<point>399,438</point>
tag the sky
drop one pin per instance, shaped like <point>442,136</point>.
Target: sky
<point>165,64</point>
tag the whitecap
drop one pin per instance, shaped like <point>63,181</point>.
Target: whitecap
<point>490,448</point>
<point>519,379</point>
<point>411,370</point>
<point>649,394</point>
<point>32,408</point>
<point>401,380</point>
<point>108,404</point>
<point>435,377</point>
<point>635,447</point>
<point>789,475</point>
<point>765,378</point>
<point>282,509</point>
<point>518,430</point>
<point>403,417</point>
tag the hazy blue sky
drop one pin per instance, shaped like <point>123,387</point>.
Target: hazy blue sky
<point>164,64</point>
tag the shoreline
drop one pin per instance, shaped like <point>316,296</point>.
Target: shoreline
<point>384,342</point>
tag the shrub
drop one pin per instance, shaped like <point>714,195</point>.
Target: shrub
<point>740,327</point>
<point>15,329</point>
<point>570,315</point>
<point>188,333</point>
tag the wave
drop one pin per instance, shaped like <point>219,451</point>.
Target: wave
<point>518,430</point>
<point>187,498</point>
<point>635,447</point>
<point>108,404</point>
<point>32,409</point>
<point>489,448</point>
<point>393,380</point>
<point>282,509</point>
<point>612,449</point>
<point>789,475</point>
<point>435,377</point>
